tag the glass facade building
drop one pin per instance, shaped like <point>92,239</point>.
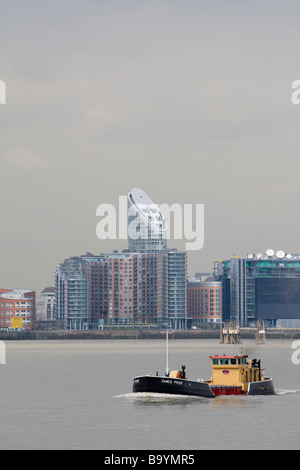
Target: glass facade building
<point>177,278</point>
<point>260,286</point>
<point>72,300</point>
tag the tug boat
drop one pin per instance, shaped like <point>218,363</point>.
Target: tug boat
<point>231,375</point>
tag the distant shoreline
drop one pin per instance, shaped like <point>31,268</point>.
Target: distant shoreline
<point>140,334</point>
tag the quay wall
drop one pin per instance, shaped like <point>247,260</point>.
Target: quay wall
<point>119,333</point>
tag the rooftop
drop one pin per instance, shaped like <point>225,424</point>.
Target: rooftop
<point>229,357</point>
<point>17,294</point>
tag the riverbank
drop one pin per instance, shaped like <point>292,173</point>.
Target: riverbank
<point>125,333</point>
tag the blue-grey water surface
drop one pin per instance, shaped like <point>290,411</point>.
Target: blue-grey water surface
<point>77,395</point>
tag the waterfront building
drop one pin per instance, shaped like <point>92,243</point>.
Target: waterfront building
<point>165,284</point>
<point>95,270</point>
<point>145,283</point>
<point>71,289</point>
<point>136,287</point>
<point>122,293</point>
<point>265,286</point>
<point>177,284</point>
<point>120,288</point>
<point>45,307</point>
<point>116,288</point>
<point>17,308</point>
<point>204,301</point>
<point>153,287</point>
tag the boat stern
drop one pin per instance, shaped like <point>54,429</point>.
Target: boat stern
<point>262,387</point>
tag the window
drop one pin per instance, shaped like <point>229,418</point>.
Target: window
<point>224,362</point>
<point>215,361</point>
<point>233,362</point>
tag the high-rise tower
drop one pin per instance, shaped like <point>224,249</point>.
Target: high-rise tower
<point>147,228</point>
<point>147,234</point>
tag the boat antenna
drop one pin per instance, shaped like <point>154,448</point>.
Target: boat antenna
<point>167,350</point>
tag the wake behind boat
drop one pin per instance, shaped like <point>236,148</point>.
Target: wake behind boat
<point>231,375</point>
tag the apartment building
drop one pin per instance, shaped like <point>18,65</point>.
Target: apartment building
<point>145,283</point>
<point>17,308</point>
<point>204,301</point>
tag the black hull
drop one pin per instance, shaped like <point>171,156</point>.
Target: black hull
<point>154,384</point>
<point>158,384</point>
<point>264,387</point>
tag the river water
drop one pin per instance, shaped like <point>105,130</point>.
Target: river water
<point>77,395</point>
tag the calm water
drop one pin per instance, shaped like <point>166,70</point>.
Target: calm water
<point>77,395</point>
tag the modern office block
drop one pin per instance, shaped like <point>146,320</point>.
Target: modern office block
<point>257,286</point>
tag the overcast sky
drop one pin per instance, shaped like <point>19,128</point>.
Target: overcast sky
<point>188,100</point>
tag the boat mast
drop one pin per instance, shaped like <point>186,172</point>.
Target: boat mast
<point>167,349</point>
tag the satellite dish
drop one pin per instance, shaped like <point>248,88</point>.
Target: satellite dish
<point>280,254</point>
<point>289,256</point>
<point>270,252</point>
<point>250,256</point>
<point>258,256</point>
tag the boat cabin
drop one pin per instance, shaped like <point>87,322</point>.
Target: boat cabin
<point>234,371</point>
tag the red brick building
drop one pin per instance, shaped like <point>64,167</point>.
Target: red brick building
<point>17,304</point>
<point>204,301</point>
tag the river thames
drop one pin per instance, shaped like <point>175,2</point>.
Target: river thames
<point>78,395</point>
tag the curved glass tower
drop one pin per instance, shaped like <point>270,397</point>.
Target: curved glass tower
<point>147,228</point>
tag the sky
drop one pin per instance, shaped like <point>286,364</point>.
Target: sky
<point>188,100</point>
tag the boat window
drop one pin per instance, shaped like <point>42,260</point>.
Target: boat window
<point>233,361</point>
<point>215,361</point>
<point>224,361</point>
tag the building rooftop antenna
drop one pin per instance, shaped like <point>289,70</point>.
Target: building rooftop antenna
<point>270,252</point>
